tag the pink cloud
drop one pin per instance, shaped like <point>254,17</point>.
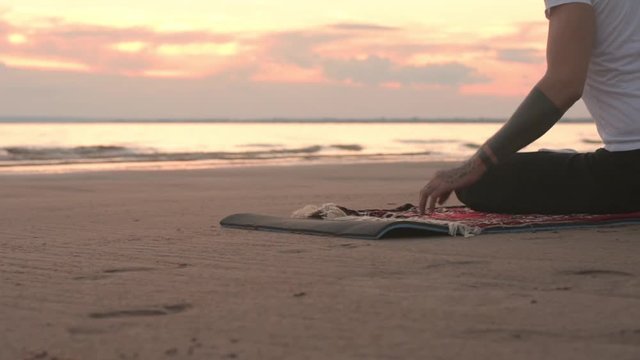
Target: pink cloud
<point>103,49</point>
<point>368,54</point>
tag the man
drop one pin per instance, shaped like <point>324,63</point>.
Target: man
<point>593,52</point>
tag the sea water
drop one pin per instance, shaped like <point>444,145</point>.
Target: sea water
<point>63,146</point>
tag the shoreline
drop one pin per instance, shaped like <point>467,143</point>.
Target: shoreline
<point>162,166</point>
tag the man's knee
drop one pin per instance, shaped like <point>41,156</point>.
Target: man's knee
<point>475,197</point>
<point>466,196</point>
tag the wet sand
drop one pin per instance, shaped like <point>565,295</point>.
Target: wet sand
<point>133,265</point>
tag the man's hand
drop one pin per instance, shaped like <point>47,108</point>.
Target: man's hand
<point>440,187</point>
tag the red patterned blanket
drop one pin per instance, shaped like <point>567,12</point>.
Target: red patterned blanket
<point>464,221</point>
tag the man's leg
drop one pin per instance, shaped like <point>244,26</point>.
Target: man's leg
<point>540,182</point>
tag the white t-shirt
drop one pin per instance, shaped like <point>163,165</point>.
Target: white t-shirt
<point>612,90</point>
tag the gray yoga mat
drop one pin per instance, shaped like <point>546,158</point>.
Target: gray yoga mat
<point>341,228</point>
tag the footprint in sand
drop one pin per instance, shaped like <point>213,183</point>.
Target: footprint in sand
<point>350,245</point>
<point>86,331</point>
<point>150,311</point>
<point>595,272</point>
<point>91,277</point>
<point>105,274</point>
<point>627,336</point>
<point>506,334</point>
<point>38,355</point>
<point>128,269</point>
<point>292,251</point>
<point>456,263</point>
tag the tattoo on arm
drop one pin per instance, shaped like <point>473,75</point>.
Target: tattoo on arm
<point>535,116</point>
<point>460,173</point>
<point>488,160</point>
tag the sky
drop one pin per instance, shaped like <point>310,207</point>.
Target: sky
<point>269,58</point>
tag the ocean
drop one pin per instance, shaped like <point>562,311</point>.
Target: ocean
<point>67,146</point>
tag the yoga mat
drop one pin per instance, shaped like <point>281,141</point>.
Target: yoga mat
<point>333,220</point>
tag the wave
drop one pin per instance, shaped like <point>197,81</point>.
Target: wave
<point>26,155</point>
<point>471,145</point>
<point>348,147</point>
<point>49,153</point>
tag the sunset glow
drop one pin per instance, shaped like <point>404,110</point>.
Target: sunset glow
<point>43,64</point>
<point>488,49</point>
<point>17,39</point>
<point>130,46</point>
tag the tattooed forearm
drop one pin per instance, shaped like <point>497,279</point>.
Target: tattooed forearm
<point>535,116</point>
<point>456,175</point>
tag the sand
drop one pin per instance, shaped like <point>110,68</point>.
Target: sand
<point>133,265</point>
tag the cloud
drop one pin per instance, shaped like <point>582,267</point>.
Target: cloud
<point>309,72</point>
<point>49,93</point>
<point>4,26</point>
<point>298,47</point>
<point>368,54</point>
<point>103,49</point>
<point>523,34</point>
<point>528,56</point>
<point>377,70</point>
<point>363,57</point>
<point>145,34</point>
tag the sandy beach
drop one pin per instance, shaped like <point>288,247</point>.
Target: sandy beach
<point>133,265</point>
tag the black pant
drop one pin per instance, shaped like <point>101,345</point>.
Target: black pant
<point>559,183</point>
